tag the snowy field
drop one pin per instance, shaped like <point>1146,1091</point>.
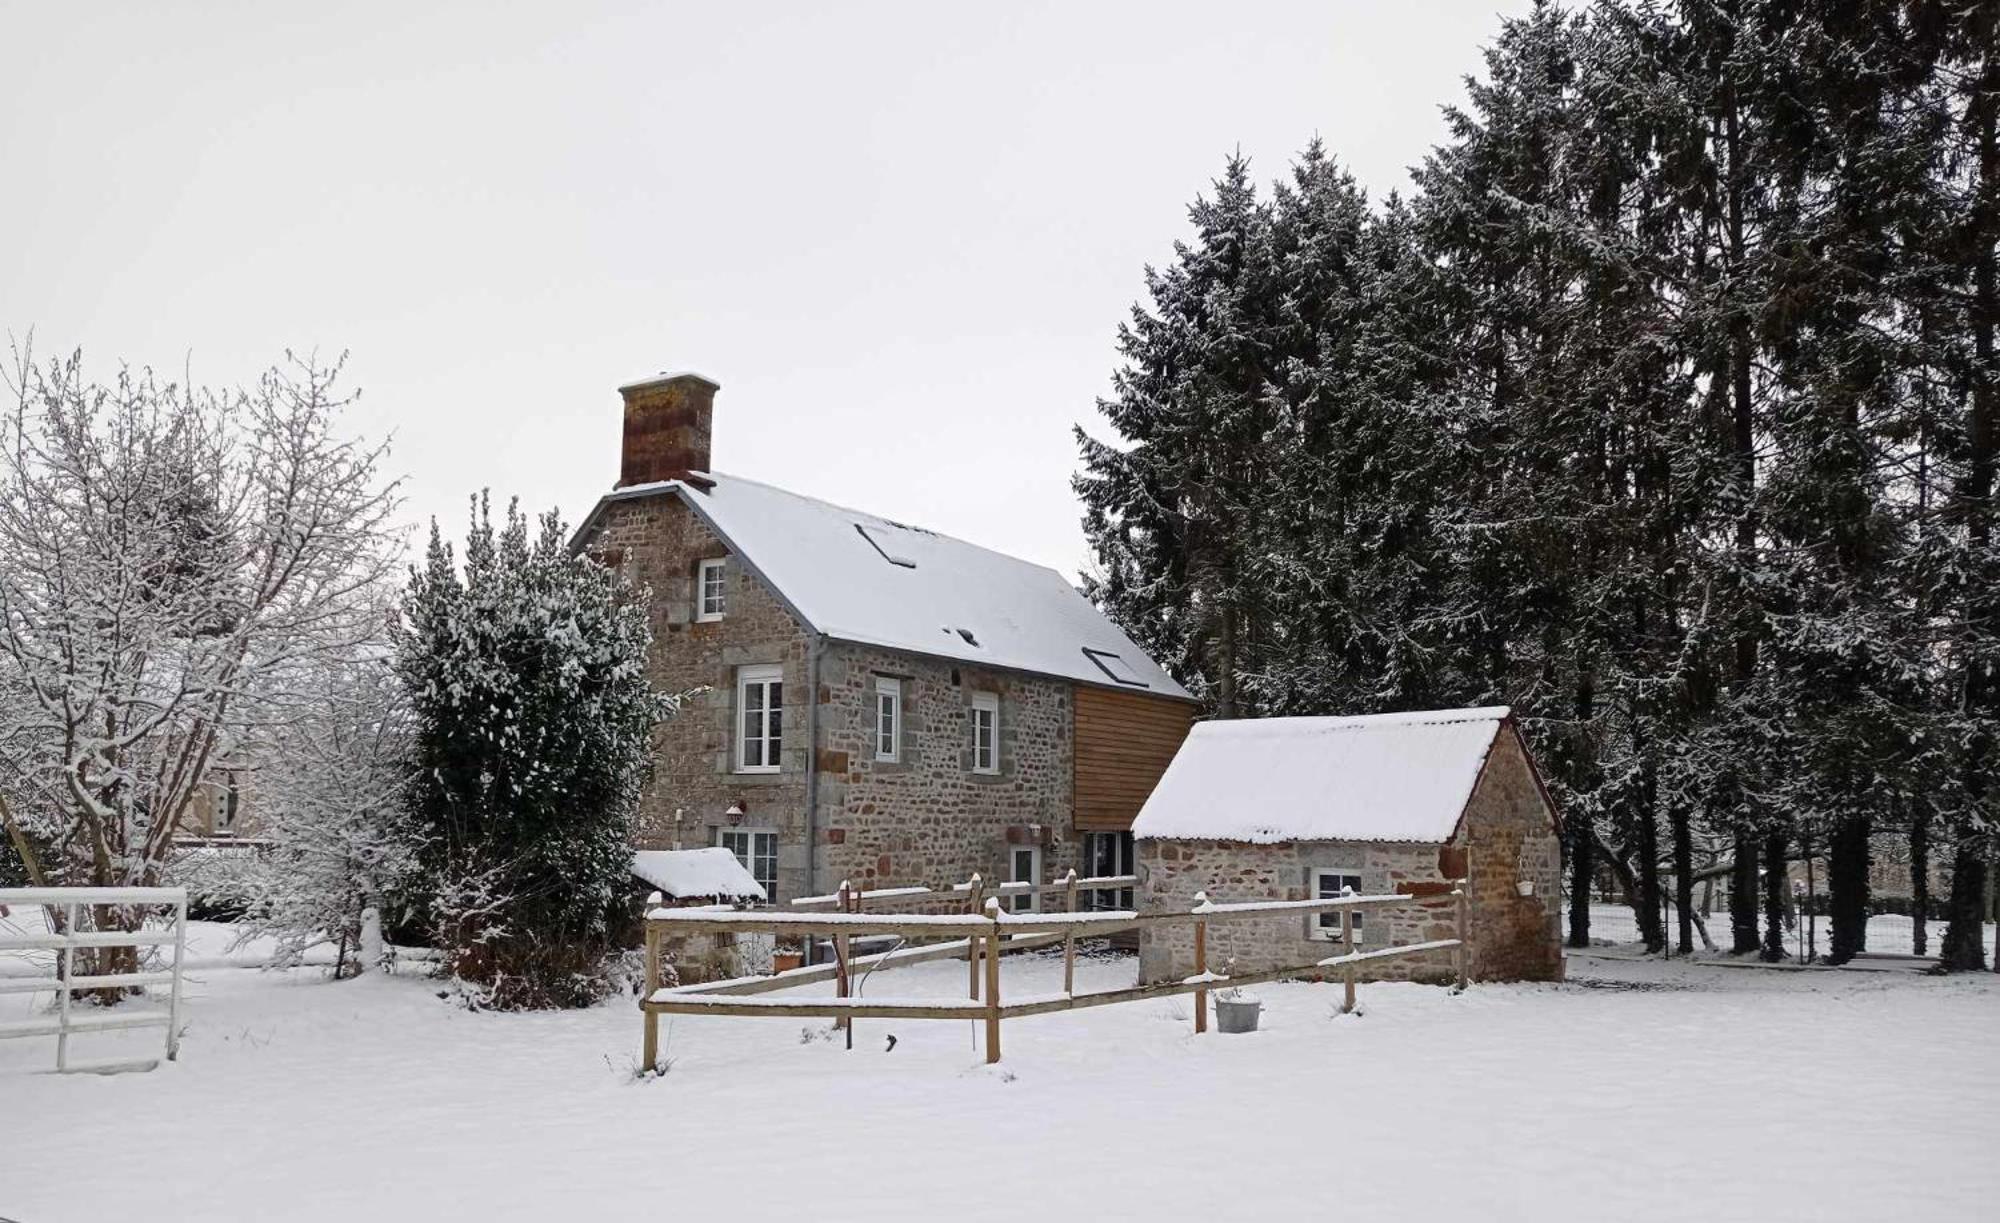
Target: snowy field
<point>1638,1091</point>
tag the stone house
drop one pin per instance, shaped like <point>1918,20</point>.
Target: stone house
<point>1300,808</point>
<point>880,703</point>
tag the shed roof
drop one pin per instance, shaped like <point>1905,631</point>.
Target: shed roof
<point>862,578</point>
<point>1384,777</point>
<point>688,873</point>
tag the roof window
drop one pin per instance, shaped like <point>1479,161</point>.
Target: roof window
<point>1115,667</point>
<point>879,539</point>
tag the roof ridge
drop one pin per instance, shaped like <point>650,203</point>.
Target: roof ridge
<point>1363,721</point>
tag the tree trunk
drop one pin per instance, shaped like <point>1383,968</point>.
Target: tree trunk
<point>1683,876</point>
<point>1774,897</point>
<point>1647,845</point>
<point>1847,889</point>
<point>1743,895</point>
<point>1964,947</point>
<point>1582,864</point>
<point>1920,878</point>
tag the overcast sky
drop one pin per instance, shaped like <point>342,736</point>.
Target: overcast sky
<point>900,236</point>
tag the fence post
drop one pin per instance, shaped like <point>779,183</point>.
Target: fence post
<point>1069,939</point>
<point>993,984</point>
<point>1461,953</point>
<point>840,982</point>
<point>972,941</point>
<point>1200,964</point>
<point>1347,971</point>
<point>174,995</point>
<point>650,1049</point>
<point>68,972</point>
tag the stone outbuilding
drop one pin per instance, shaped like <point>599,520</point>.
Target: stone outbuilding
<point>1300,808</point>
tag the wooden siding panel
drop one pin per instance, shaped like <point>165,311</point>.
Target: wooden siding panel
<point>1124,741</point>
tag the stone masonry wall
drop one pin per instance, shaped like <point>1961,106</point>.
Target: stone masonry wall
<point>928,818</point>
<point>1513,838</point>
<point>1171,872</point>
<point>657,541</point>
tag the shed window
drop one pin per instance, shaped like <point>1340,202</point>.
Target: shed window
<point>985,732</point>
<point>1329,883</point>
<point>760,706</point>
<point>888,720</point>
<point>710,593</point>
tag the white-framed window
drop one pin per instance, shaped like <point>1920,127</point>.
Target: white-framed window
<point>760,718</point>
<point>1024,865</point>
<point>1328,883</point>
<point>711,594</point>
<point>757,850</point>
<point>888,719</point>
<point>985,732</point>
<point>1106,854</point>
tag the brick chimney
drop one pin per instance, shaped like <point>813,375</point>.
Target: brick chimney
<point>667,421</point>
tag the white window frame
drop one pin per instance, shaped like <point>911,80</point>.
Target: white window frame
<point>720,568</point>
<point>1122,858</point>
<point>888,719</point>
<point>1326,926</point>
<point>762,676</point>
<point>1024,902</point>
<point>987,703</point>
<point>749,856</point>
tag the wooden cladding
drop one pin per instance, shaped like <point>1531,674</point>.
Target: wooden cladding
<point>1124,741</point>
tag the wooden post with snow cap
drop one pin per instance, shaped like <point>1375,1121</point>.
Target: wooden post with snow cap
<point>650,1050</point>
<point>973,888</point>
<point>1200,962</point>
<point>1347,946</point>
<point>992,982</point>
<point>1069,938</point>
<point>845,904</point>
<point>1461,953</point>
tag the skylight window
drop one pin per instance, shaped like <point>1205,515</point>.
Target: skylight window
<point>1115,667</point>
<point>880,539</point>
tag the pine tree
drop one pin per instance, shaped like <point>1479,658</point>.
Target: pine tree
<point>531,728</point>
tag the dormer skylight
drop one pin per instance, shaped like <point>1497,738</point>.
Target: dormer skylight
<point>1117,669</point>
<point>880,539</point>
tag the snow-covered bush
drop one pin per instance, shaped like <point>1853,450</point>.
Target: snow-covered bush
<point>531,726</point>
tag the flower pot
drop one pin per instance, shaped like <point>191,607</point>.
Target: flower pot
<point>1237,1016</point>
<point>1525,887</point>
<point>785,961</point>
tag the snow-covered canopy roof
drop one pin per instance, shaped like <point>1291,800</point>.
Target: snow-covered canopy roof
<point>1386,777</point>
<point>857,577</point>
<point>686,873</point>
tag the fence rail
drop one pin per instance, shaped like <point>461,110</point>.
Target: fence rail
<point>984,938</point>
<point>66,940</point>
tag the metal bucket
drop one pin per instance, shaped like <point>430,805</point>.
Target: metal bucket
<point>1237,1016</point>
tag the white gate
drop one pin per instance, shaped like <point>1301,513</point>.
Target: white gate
<point>67,1020</point>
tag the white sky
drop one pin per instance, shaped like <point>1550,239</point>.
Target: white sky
<point>900,236</point>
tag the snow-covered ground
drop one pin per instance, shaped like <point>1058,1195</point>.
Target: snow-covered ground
<point>1637,1091</point>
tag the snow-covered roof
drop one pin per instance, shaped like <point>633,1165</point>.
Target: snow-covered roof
<point>684,873</point>
<point>858,577</point>
<point>1385,777</point>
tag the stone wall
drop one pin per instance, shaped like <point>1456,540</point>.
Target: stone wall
<point>1507,836</point>
<point>657,541</point>
<point>1171,872</point>
<point>928,817</point>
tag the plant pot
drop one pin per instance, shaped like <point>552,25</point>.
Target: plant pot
<point>785,961</point>
<point>1237,1016</point>
<point>1525,887</point>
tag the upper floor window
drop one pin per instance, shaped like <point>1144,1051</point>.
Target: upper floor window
<point>760,704</point>
<point>888,720</point>
<point>985,732</point>
<point>711,598</point>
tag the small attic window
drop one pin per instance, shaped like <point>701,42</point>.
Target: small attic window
<point>965,634</point>
<point>879,539</point>
<point>1115,667</point>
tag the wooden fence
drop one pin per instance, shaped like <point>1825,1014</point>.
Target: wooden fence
<point>983,935</point>
<point>65,940</point>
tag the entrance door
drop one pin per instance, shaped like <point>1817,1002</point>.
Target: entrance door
<point>1025,866</point>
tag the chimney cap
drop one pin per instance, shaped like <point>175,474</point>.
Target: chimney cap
<point>665,376</point>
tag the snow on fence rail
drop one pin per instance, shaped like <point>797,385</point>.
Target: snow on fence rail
<point>65,940</point>
<point>986,936</point>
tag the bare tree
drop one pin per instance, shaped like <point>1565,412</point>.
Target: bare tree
<point>170,557</point>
